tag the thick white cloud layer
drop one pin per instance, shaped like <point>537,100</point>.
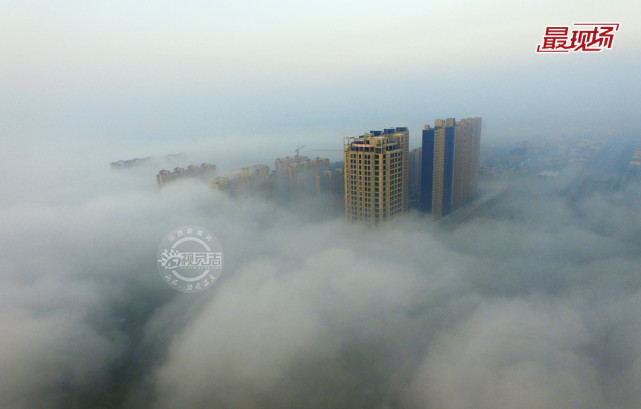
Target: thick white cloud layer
<point>533,304</point>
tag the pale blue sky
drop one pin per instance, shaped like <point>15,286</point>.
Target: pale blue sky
<point>124,75</point>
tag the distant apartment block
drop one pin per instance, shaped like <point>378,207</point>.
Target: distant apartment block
<point>129,163</point>
<point>450,161</point>
<point>301,176</point>
<point>376,175</point>
<point>415,160</point>
<point>517,158</point>
<point>281,164</point>
<point>204,170</point>
<point>330,183</point>
<point>254,180</point>
<point>297,175</point>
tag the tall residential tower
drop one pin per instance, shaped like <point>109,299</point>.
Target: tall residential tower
<point>449,167</point>
<point>376,175</point>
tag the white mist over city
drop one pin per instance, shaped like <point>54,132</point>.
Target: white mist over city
<point>418,205</point>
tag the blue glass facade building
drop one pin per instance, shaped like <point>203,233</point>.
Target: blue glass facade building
<point>441,159</point>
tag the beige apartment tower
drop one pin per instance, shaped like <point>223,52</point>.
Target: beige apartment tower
<point>376,175</point>
<point>449,165</point>
<point>255,180</point>
<point>467,136</point>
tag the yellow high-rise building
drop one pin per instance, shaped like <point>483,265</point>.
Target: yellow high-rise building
<point>376,175</point>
